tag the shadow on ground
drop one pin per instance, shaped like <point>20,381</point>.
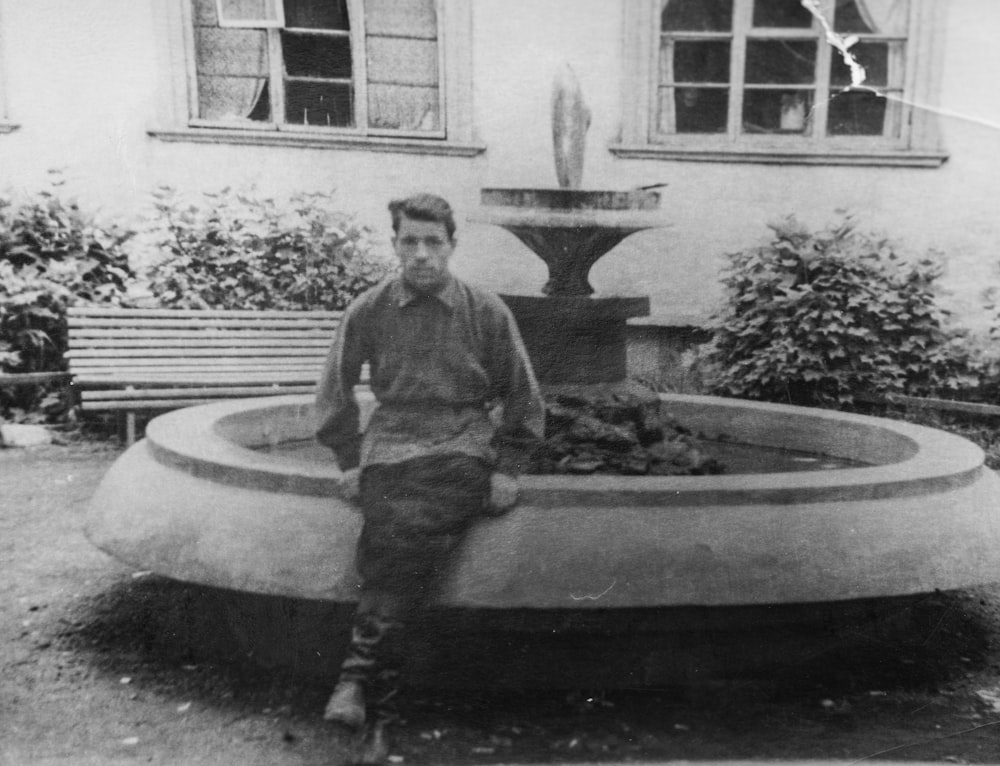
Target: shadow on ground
<point>809,683</point>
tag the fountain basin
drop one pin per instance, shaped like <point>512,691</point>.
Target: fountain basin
<point>198,501</point>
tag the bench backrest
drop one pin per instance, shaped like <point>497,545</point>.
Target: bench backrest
<point>190,347</point>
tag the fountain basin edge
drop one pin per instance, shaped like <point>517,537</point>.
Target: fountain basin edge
<point>193,501</point>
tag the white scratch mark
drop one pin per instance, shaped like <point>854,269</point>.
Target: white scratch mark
<point>843,45</point>
<point>587,597</point>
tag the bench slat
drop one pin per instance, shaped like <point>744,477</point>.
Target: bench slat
<point>145,394</point>
<point>196,380</point>
<point>91,311</point>
<point>181,324</point>
<point>152,353</point>
<point>156,404</point>
<point>204,342</point>
<point>170,363</point>
<point>110,373</point>
<point>85,333</point>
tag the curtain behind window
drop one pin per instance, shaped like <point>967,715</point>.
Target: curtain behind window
<point>231,65</point>
<point>402,58</point>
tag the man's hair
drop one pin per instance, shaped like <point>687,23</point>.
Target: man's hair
<point>423,207</point>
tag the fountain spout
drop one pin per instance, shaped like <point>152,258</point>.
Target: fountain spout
<point>570,122</point>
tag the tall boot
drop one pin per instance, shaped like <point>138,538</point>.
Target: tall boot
<point>360,670</point>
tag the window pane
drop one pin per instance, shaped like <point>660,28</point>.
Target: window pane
<point>401,18</point>
<point>791,62</point>
<point>230,51</point>
<point>403,107</point>
<point>233,98</point>
<point>316,55</point>
<point>701,61</point>
<point>406,62</point>
<point>856,113</point>
<point>204,13</point>
<point>881,17</point>
<point>874,57</point>
<point>316,14</point>
<point>698,110</point>
<point>244,11</point>
<point>319,103</point>
<point>781,13</point>
<point>777,111</point>
<point>697,16</point>
<point>403,64</point>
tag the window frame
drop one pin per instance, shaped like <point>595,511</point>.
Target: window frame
<point>176,120</point>
<point>6,126</point>
<point>918,143</point>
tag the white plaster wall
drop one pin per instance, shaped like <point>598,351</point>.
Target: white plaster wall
<point>83,83</point>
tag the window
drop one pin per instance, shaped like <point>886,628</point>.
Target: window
<point>759,80</point>
<point>386,73</point>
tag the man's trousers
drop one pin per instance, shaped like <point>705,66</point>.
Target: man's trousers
<point>416,514</point>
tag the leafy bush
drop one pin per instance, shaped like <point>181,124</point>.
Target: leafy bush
<point>52,256</point>
<point>815,318</point>
<point>239,251</point>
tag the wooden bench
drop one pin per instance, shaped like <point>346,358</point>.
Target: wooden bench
<point>143,360</point>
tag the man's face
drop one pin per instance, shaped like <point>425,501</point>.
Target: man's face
<point>423,249</point>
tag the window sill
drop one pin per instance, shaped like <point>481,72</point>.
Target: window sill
<point>317,141</point>
<point>8,127</point>
<point>885,158</point>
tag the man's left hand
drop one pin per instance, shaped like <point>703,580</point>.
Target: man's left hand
<point>503,493</point>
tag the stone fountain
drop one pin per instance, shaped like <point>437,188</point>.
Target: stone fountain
<point>237,497</point>
<point>572,337</point>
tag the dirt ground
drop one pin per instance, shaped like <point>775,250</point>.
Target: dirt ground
<point>105,665</point>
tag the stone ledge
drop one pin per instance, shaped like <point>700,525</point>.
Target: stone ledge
<point>306,140</point>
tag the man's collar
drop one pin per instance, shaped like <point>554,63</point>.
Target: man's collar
<point>447,295</point>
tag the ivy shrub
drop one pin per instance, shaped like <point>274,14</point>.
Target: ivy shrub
<point>53,255</point>
<point>236,250</point>
<point>816,318</point>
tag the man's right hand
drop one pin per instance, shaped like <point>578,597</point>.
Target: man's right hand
<point>350,483</point>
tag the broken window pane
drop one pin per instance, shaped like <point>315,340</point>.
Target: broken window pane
<point>697,16</point>
<point>701,61</point>
<point>781,13</point>
<point>777,111</point>
<point>856,113</point>
<point>781,61</point>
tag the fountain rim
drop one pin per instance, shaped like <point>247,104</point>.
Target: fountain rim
<point>194,440</point>
<point>628,221</point>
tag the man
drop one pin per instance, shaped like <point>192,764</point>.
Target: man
<point>443,357</point>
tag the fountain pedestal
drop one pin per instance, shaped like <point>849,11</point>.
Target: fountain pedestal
<point>562,334</point>
<point>571,337</point>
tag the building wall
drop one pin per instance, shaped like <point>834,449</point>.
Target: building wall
<point>84,83</point>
